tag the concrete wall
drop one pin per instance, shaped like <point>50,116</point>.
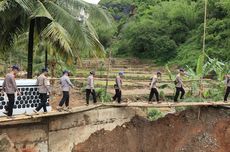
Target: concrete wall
<point>61,133</point>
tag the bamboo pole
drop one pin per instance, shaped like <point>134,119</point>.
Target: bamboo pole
<point>110,79</point>
<point>205,24</point>
<point>203,48</point>
<point>168,104</point>
<point>107,77</point>
<point>33,118</point>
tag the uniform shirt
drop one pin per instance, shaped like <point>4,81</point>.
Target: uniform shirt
<point>43,84</point>
<point>65,83</point>
<point>118,82</point>
<point>90,82</point>
<point>179,81</point>
<point>9,85</point>
<point>154,82</point>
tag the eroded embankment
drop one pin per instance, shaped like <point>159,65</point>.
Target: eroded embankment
<point>182,132</point>
<point>60,132</point>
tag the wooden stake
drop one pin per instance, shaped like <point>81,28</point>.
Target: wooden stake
<point>107,77</point>
<point>199,113</point>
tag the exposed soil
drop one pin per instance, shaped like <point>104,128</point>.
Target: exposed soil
<point>181,132</point>
<point>76,99</point>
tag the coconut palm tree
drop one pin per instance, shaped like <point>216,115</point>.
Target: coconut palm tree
<point>60,23</point>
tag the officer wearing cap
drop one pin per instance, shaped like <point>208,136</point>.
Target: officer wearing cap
<point>117,87</point>
<point>65,85</point>
<point>90,88</point>
<point>9,87</point>
<point>153,87</point>
<point>227,81</point>
<point>43,89</point>
<point>179,85</point>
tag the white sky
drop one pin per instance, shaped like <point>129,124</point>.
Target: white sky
<point>92,1</point>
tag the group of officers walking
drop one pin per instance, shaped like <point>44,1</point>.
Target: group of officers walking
<point>10,88</point>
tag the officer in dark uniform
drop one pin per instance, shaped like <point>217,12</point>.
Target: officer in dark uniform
<point>153,87</point>
<point>179,85</point>
<point>118,87</point>
<point>90,88</point>
<point>10,88</point>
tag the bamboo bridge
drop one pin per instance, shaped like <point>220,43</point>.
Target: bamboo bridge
<point>23,118</point>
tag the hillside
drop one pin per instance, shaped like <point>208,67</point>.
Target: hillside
<point>169,31</point>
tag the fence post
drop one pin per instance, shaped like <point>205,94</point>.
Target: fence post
<point>107,76</point>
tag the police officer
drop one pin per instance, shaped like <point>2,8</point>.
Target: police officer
<point>90,88</point>
<point>43,88</point>
<point>179,85</point>
<point>153,87</point>
<point>227,80</point>
<point>118,87</point>
<point>65,85</point>
<point>9,87</point>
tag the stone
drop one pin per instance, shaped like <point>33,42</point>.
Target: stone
<point>6,145</point>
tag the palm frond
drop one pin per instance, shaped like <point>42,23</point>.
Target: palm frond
<point>66,20</point>
<point>72,3</point>
<point>4,5</point>
<point>96,46</point>
<point>58,36</point>
<point>34,8</point>
<point>11,23</point>
<point>96,13</point>
<point>83,35</point>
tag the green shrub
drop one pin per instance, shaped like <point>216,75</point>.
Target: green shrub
<point>102,95</point>
<point>179,109</point>
<point>193,99</point>
<point>162,95</point>
<point>154,114</point>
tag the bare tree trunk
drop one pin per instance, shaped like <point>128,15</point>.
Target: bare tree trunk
<point>205,24</point>
<point>53,65</point>
<point>46,57</point>
<point>108,70</point>
<point>203,49</point>
<point>30,49</point>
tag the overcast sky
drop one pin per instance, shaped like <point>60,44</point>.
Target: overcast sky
<point>92,1</point>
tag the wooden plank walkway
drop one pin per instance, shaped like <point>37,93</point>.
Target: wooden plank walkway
<point>37,118</point>
<point>168,104</point>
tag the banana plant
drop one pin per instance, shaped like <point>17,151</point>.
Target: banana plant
<point>203,69</point>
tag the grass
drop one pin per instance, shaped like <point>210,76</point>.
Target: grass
<point>154,114</point>
<point>139,78</point>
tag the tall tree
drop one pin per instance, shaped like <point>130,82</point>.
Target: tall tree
<point>60,23</point>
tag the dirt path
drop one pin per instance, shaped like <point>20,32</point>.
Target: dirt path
<point>144,91</point>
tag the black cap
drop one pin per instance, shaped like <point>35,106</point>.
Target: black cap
<point>44,69</point>
<point>15,67</point>
<point>158,72</point>
<point>181,70</point>
<point>65,71</point>
<point>121,73</point>
<point>92,72</point>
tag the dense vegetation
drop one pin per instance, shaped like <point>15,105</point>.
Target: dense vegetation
<point>169,30</point>
<point>62,29</point>
<point>164,31</point>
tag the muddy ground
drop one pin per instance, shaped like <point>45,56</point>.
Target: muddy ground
<point>181,132</point>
